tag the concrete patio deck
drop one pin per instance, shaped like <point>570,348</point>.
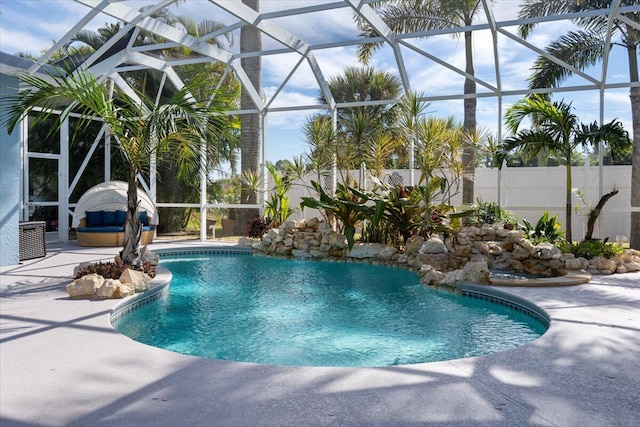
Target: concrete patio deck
<point>61,363</point>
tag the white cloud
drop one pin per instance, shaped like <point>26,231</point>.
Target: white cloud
<point>290,99</point>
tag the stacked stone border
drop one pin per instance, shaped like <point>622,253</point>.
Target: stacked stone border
<point>464,257</point>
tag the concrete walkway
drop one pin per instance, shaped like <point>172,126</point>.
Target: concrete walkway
<point>61,363</point>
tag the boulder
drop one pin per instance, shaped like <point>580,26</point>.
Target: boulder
<point>138,279</point>
<point>109,289</point>
<point>288,227</point>
<point>433,246</point>
<point>85,286</point>
<point>413,245</point>
<point>324,227</point>
<point>300,253</point>
<point>632,266</point>
<point>124,290</point>
<point>366,250</point>
<point>318,254</point>
<point>603,265</point>
<point>475,272</point>
<point>430,276</point>
<point>386,253</point>
<point>247,241</point>
<point>573,264</point>
<point>545,251</point>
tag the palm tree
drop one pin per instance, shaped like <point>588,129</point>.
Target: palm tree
<point>250,124</point>
<point>356,84</point>
<point>148,82</point>
<point>173,129</point>
<point>404,16</point>
<point>557,129</point>
<point>359,129</point>
<point>582,49</point>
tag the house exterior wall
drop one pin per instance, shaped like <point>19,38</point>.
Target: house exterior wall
<point>9,184</point>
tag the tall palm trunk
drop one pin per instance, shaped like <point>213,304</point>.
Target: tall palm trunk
<point>251,124</point>
<point>634,239</point>
<point>567,211</point>
<point>468,149</point>
<point>132,226</point>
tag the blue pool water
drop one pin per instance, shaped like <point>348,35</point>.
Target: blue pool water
<point>305,313</point>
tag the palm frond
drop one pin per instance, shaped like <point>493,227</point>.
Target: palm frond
<point>580,49</point>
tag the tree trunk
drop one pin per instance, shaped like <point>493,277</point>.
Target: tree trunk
<point>567,212</point>
<point>251,124</point>
<point>634,238</point>
<point>595,212</point>
<point>468,149</point>
<point>132,226</point>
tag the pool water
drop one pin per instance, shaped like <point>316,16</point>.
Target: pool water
<point>307,313</point>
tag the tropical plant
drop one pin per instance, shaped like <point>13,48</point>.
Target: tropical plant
<point>584,48</point>
<point>412,110</point>
<point>258,226</point>
<point>415,16</point>
<point>591,248</point>
<point>321,142</point>
<point>490,213</point>
<point>149,82</point>
<point>174,129</point>
<point>557,129</point>
<point>547,229</point>
<point>277,206</point>
<point>363,134</point>
<point>346,206</point>
<point>114,269</point>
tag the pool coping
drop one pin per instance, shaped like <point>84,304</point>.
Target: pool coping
<point>569,279</point>
<point>61,363</point>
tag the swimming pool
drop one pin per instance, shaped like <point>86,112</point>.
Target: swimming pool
<point>308,313</point>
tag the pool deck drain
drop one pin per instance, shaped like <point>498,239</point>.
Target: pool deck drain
<point>61,363</point>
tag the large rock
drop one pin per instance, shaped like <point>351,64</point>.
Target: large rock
<point>603,265</point>
<point>366,250</point>
<point>288,227</point>
<point>85,286</point>
<point>109,289</point>
<point>573,264</point>
<point>138,279</point>
<point>545,251</point>
<point>124,290</point>
<point>413,245</point>
<point>312,223</point>
<point>632,266</point>
<point>298,253</point>
<point>475,272</point>
<point>430,276</point>
<point>433,246</point>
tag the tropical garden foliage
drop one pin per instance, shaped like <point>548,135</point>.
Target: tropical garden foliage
<point>584,48</point>
<point>175,129</point>
<point>556,129</point>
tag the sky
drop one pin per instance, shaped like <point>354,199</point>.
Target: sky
<point>33,25</point>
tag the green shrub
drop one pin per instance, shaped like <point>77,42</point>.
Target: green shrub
<point>490,213</point>
<point>113,270</point>
<point>258,226</point>
<point>591,248</point>
<point>547,229</point>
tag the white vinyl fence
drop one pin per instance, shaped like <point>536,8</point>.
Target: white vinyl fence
<point>527,193</point>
